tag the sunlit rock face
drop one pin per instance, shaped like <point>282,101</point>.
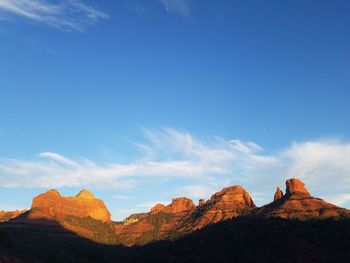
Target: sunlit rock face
<point>132,219</point>
<point>294,186</point>
<point>297,203</point>
<point>88,216</point>
<point>157,208</point>
<point>178,205</point>
<point>278,194</point>
<point>157,224</point>
<point>182,216</point>
<point>8,215</point>
<point>52,205</point>
<point>228,203</point>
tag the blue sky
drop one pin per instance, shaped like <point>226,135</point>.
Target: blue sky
<point>142,101</point>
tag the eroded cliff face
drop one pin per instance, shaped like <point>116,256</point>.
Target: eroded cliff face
<point>52,205</point>
<point>82,214</point>
<point>159,223</point>
<point>297,203</point>
<point>183,216</point>
<point>88,216</point>
<point>228,203</point>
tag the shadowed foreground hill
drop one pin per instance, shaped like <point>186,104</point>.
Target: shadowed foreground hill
<point>243,239</point>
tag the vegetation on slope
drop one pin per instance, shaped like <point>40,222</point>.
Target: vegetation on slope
<point>243,239</point>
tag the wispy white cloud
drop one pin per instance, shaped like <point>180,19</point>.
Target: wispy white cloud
<point>179,6</point>
<point>121,197</point>
<point>147,205</point>
<point>198,167</point>
<point>197,191</point>
<point>318,162</point>
<point>170,154</point>
<point>142,207</point>
<point>339,199</point>
<point>7,207</point>
<point>59,158</point>
<point>65,14</point>
<point>324,165</point>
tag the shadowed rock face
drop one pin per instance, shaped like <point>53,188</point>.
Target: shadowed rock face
<point>52,205</point>
<point>157,224</point>
<point>201,202</point>
<point>297,203</point>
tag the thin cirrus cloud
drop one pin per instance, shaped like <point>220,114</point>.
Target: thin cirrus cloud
<point>173,154</point>
<point>201,167</point>
<point>178,6</point>
<point>71,15</point>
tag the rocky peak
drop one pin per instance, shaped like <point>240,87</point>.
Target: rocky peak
<point>177,205</point>
<point>157,208</point>
<point>52,194</point>
<point>85,194</point>
<point>299,204</point>
<point>296,186</point>
<point>233,194</point>
<point>201,202</point>
<point>278,194</point>
<point>180,205</point>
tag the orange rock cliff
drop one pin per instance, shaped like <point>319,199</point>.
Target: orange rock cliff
<point>181,216</point>
<point>52,205</point>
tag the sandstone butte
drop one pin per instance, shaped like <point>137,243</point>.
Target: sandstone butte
<point>182,216</point>
<point>52,205</point>
<point>297,203</point>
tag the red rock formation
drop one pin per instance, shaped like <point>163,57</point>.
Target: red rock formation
<point>295,186</point>
<point>228,203</point>
<point>297,203</point>
<point>157,208</point>
<point>180,205</point>
<point>232,197</point>
<point>179,217</point>
<point>157,223</point>
<point>278,195</point>
<point>54,206</point>
<point>201,202</point>
<point>182,216</point>
<point>8,215</point>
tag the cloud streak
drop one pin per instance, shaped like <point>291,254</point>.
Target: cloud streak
<point>71,15</point>
<point>200,167</point>
<point>169,154</point>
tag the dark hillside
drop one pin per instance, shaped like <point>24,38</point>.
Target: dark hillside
<point>243,239</point>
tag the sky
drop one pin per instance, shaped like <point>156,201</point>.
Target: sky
<point>141,101</point>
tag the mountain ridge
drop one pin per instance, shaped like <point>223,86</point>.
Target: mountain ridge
<point>89,217</point>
